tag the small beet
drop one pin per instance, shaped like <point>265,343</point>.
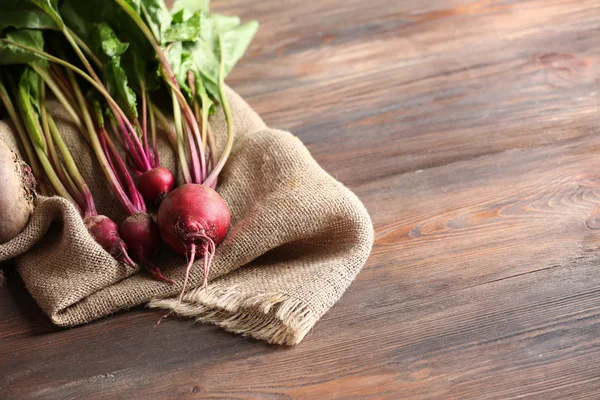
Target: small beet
<point>106,233</point>
<point>142,236</point>
<point>155,185</point>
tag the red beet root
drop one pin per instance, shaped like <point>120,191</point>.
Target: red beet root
<point>142,236</point>
<point>155,184</point>
<point>106,234</point>
<point>191,216</point>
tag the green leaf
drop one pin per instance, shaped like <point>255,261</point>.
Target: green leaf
<point>206,50</point>
<point>50,7</point>
<point>79,15</point>
<point>190,5</point>
<point>235,43</point>
<point>180,66</point>
<point>157,17</point>
<point>109,42</point>
<point>10,54</point>
<point>225,22</point>
<point>203,51</point>
<point>174,55</point>
<point>123,64</point>
<point>109,49</point>
<point>119,86</point>
<point>183,28</point>
<point>22,14</point>
<point>139,60</point>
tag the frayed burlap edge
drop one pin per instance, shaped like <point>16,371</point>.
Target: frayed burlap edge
<point>277,318</point>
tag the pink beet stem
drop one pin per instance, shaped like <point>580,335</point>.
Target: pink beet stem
<point>193,153</point>
<point>122,171</point>
<point>162,119</point>
<point>153,134</point>
<point>199,170</point>
<point>145,124</point>
<point>103,137</point>
<point>132,150</point>
<point>116,134</point>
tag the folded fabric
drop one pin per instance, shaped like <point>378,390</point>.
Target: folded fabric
<point>297,240</point>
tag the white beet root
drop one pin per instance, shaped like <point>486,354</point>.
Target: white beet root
<point>17,194</point>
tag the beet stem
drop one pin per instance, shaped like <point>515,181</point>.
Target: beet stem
<point>116,134</point>
<point>63,85</point>
<point>132,151</point>
<point>60,96</point>
<point>14,116</point>
<point>117,111</point>
<point>193,124</point>
<point>153,135</point>
<point>90,207</point>
<point>145,123</point>
<point>112,104</point>
<point>212,178</point>
<point>85,48</point>
<point>162,119</point>
<point>34,129</point>
<point>97,147</point>
<point>187,177</point>
<point>62,173</point>
<point>121,170</point>
<point>171,80</point>
<point>196,105</point>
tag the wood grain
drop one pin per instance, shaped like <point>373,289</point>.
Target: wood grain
<point>469,129</point>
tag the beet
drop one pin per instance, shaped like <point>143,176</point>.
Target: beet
<point>17,194</point>
<point>142,236</point>
<point>194,216</point>
<point>106,233</point>
<point>155,185</point>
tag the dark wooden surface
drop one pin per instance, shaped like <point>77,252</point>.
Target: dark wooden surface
<point>471,130</point>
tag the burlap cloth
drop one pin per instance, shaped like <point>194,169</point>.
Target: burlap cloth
<point>297,239</point>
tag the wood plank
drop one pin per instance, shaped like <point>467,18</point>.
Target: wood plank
<point>426,81</point>
<point>468,128</point>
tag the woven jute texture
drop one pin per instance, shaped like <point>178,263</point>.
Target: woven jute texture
<point>297,240</point>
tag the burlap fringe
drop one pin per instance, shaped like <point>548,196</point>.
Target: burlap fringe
<point>275,317</point>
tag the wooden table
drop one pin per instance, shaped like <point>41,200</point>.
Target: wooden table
<point>470,131</point>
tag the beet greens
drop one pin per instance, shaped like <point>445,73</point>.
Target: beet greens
<point>110,64</point>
